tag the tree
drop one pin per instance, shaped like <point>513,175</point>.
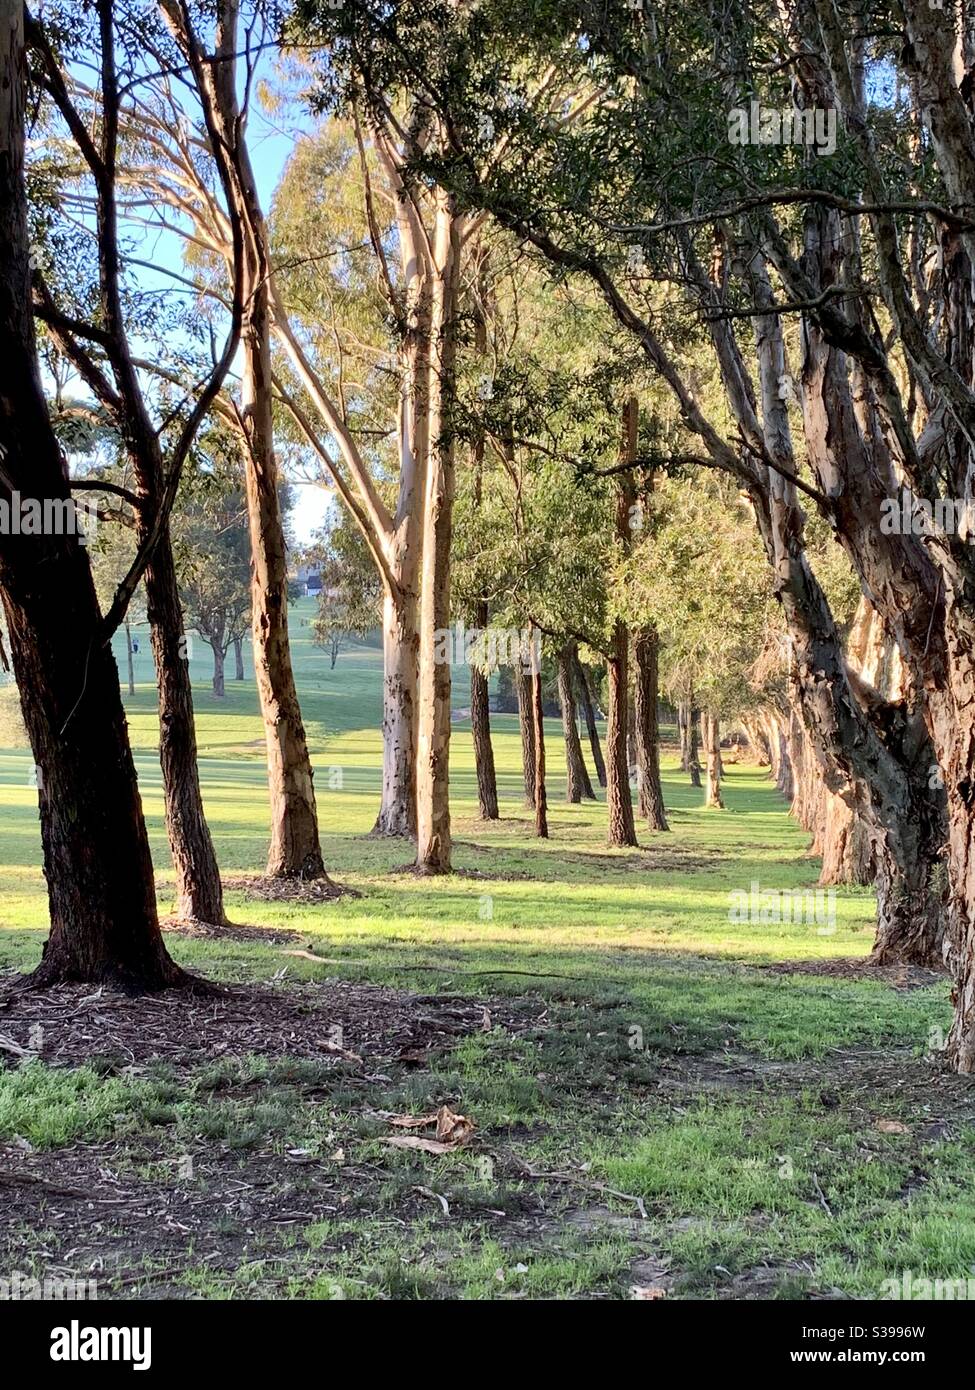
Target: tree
<point>629,207</point>
<point>104,925</point>
<point>295,849</point>
<point>100,352</point>
<point>213,558</point>
<point>350,601</point>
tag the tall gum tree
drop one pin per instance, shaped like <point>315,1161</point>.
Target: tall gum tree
<point>104,925</point>
<point>91,348</point>
<point>295,847</point>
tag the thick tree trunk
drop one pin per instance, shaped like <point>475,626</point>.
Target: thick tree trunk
<point>526,725</point>
<point>844,842</point>
<point>589,714</point>
<point>577,783</point>
<point>538,721</point>
<point>487,781</point>
<point>238,658</point>
<point>397,811</point>
<point>104,926</point>
<point>622,830</point>
<point>647,730</point>
<point>712,750</point>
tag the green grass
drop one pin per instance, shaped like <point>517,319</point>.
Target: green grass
<point>738,1106</point>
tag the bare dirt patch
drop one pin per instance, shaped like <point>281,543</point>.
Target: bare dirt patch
<point>289,890</point>
<point>903,977</point>
<point>295,1020</point>
<point>231,931</point>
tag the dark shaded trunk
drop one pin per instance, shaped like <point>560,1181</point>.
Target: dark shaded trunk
<point>239,658</point>
<point>538,723</point>
<point>684,725</point>
<point>694,747</point>
<point>526,724</point>
<point>622,829</point>
<point>577,783</point>
<point>104,926</point>
<point>648,730</point>
<point>487,781</point>
<point>589,714</point>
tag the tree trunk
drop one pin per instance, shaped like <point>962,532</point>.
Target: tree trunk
<point>397,811</point>
<point>199,892</point>
<point>219,656</point>
<point>647,730</point>
<point>541,803</point>
<point>128,653</point>
<point>684,733</point>
<point>712,750</point>
<point>526,725</point>
<point>577,783</point>
<point>433,779</point>
<point>104,926</point>
<point>295,850</point>
<point>632,754</point>
<point>487,782</point>
<point>238,658</point>
<point>844,844</point>
<point>622,830</point>
<point>694,747</point>
<point>589,714</point>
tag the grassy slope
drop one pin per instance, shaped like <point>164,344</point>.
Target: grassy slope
<point>746,1121</point>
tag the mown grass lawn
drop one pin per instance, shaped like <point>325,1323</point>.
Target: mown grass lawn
<point>655,1106</point>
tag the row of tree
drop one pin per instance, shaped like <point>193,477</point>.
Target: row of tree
<point>534,217</point>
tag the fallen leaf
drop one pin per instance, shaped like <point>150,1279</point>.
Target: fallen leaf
<point>648,1292</point>
<point>451,1128</point>
<point>413,1121</point>
<point>414,1141</point>
<point>337,1051</point>
<point>891,1127</point>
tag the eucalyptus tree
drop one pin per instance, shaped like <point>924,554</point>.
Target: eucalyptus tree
<point>616,196</point>
<point>94,318</point>
<point>104,922</point>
